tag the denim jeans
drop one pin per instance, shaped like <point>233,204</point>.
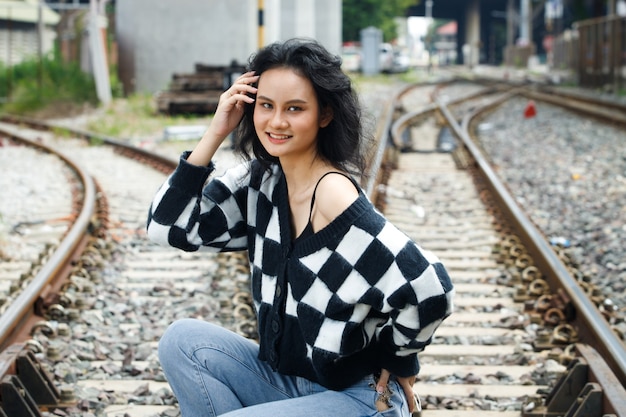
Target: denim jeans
<point>215,372</point>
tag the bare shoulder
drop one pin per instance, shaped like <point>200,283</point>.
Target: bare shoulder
<point>334,194</point>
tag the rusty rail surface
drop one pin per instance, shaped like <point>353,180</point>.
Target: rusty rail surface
<point>22,307</point>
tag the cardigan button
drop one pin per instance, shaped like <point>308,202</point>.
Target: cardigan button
<point>278,291</point>
<point>275,326</point>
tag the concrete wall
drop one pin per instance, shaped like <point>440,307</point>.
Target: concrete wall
<point>157,38</point>
<point>318,19</point>
<point>328,26</point>
<point>298,18</point>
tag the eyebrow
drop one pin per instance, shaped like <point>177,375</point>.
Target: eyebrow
<point>293,101</point>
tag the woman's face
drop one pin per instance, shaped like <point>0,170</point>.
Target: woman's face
<point>286,114</point>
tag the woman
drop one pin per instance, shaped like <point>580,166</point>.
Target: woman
<point>344,300</point>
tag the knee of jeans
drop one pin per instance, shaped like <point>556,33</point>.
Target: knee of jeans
<point>169,347</point>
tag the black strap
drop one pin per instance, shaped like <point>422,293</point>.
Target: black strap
<point>318,183</point>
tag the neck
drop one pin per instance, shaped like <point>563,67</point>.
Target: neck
<point>301,176</point>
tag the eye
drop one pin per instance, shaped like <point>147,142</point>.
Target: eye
<point>294,108</point>
<point>266,105</point>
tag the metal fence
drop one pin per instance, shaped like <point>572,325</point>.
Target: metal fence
<point>595,50</point>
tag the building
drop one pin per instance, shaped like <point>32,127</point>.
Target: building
<point>20,34</point>
<point>445,43</point>
<point>157,38</point>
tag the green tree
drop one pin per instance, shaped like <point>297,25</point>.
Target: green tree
<point>359,14</point>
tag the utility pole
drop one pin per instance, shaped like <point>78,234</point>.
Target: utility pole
<point>524,22</point>
<point>261,34</point>
<point>40,30</point>
<point>98,54</point>
<point>429,19</point>
<point>510,23</point>
<point>429,9</point>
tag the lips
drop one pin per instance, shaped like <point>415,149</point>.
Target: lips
<point>275,138</point>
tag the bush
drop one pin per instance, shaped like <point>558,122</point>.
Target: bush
<point>30,86</point>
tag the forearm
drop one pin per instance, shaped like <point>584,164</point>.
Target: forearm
<point>226,118</point>
<point>205,150</point>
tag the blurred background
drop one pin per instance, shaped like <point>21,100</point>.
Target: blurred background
<point>91,51</point>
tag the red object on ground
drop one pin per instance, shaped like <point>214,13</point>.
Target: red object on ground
<point>530,110</point>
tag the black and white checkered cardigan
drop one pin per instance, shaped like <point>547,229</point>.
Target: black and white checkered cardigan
<point>353,298</point>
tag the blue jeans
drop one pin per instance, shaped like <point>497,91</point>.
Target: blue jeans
<point>215,372</point>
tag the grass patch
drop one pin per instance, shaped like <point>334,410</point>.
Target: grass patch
<point>136,118</point>
<point>31,87</point>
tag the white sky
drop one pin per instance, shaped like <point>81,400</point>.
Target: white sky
<point>417,26</point>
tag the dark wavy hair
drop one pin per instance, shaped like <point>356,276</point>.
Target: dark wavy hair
<point>341,143</point>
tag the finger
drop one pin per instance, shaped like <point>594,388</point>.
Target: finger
<point>382,381</point>
<point>245,75</point>
<point>239,91</point>
<point>410,396</point>
<point>233,98</point>
<point>246,79</point>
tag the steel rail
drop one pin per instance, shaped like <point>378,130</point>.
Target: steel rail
<point>19,309</point>
<point>608,343</point>
<point>382,137</point>
<point>579,96</point>
<point>404,120</point>
<point>590,321</point>
<point>597,108</point>
<point>601,108</point>
<point>383,131</point>
<point>162,161</point>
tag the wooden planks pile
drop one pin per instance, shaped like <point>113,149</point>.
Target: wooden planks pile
<point>198,92</point>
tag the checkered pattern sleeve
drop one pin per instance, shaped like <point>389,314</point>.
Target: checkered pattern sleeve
<point>187,215</point>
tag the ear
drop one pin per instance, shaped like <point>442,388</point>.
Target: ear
<point>326,117</point>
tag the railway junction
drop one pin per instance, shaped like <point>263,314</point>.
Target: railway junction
<point>514,177</point>
<point>528,218</point>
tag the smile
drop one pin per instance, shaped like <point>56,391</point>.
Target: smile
<point>278,138</point>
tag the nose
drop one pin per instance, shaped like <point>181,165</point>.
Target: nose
<point>278,120</point>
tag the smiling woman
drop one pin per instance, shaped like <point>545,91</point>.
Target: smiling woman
<point>344,299</point>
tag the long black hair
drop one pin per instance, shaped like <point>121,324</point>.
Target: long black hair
<point>341,143</point>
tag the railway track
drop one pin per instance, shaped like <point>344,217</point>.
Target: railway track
<point>492,356</point>
<point>509,265</point>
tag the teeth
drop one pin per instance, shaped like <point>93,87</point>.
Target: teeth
<point>279,136</point>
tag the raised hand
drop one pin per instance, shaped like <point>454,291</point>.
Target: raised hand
<point>231,104</point>
<point>227,116</point>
